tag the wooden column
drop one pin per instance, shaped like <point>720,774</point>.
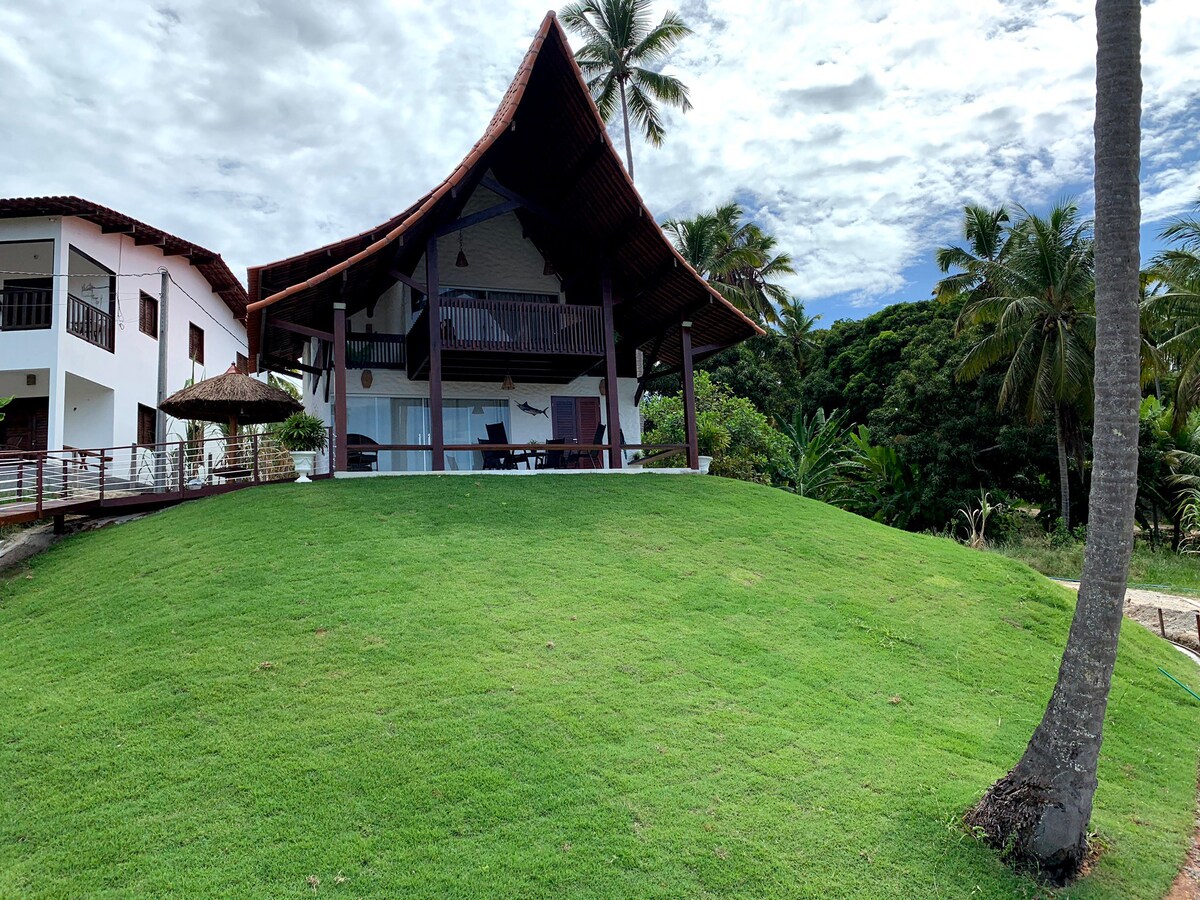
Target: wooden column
<point>339,387</point>
<point>689,396</point>
<point>615,457</point>
<point>433,311</point>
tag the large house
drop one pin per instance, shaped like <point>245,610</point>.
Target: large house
<point>511,316</point>
<point>82,323</point>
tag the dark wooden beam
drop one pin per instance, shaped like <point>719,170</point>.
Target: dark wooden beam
<point>339,397</point>
<point>117,229</point>
<point>276,365</point>
<point>524,202</point>
<point>144,240</point>
<point>409,280</point>
<point>615,457</point>
<point>299,329</point>
<point>433,313</point>
<point>650,360</point>
<point>689,396</point>
<point>476,218</point>
<point>579,171</point>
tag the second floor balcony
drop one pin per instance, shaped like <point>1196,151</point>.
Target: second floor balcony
<point>487,338</point>
<point>32,309</point>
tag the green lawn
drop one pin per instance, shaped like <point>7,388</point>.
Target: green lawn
<point>555,686</point>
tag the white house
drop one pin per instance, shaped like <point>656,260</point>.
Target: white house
<point>508,318</point>
<point>80,311</point>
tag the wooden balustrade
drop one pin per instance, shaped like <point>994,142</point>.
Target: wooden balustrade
<point>26,309</point>
<point>90,323</point>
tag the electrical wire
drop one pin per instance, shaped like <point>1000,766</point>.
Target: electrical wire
<point>182,289</point>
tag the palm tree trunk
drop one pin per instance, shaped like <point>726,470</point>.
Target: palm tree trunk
<point>628,144</point>
<point>1039,812</point>
<point>1064,475</point>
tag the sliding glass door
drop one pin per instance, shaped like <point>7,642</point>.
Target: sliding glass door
<point>466,422</point>
<point>405,420</point>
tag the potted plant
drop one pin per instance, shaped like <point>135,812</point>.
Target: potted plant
<point>711,438</point>
<point>302,435</point>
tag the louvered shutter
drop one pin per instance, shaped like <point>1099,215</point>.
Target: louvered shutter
<point>589,418</point>
<point>564,422</point>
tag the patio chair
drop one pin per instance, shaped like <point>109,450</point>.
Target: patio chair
<point>361,460</point>
<point>498,434</point>
<point>495,459</point>
<point>591,457</point>
<point>555,454</point>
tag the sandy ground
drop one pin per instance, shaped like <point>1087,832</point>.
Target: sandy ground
<point>1179,613</point>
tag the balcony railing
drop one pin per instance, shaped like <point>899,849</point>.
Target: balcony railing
<point>374,351</point>
<point>511,326</point>
<point>86,321</point>
<point>26,309</point>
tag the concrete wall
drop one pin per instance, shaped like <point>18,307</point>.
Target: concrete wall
<point>131,371</point>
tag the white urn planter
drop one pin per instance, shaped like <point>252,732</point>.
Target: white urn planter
<point>304,460</point>
<point>705,462</point>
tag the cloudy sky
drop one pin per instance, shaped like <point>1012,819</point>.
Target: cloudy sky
<point>855,130</point>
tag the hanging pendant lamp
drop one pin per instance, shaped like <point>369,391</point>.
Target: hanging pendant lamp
<point>507,383</point>
<point>461,260</point>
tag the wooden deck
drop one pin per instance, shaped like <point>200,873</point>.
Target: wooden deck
<point>50,484</point>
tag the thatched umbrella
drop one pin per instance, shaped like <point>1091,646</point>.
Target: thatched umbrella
<point>234,398</point>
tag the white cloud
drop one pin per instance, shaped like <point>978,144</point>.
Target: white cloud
<point>855,129</point>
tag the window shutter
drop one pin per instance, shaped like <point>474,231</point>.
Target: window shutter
<point>564,424</point>
<point>148,315</point>
<point>589,418</point>
<point>196,343</point>
<point>146,425</point>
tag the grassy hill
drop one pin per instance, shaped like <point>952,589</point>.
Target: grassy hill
<point>557,686</point>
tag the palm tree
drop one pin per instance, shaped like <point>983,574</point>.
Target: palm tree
<point>798,327</point>
<point>986,233</point>
<point>1039,302</point>
<point>619,45</point>
<point>1172,311</point>
<point>1039,812</point>
<point>737,257</point>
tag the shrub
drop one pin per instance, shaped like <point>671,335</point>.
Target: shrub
<point>301,432</point>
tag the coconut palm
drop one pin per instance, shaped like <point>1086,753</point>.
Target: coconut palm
<point>1039,306</point>
<point>1172,310</point>
<point>986,233</point>
<point>620,48</point>
<point>1038,813</point>
<point>737,257</point>
<point>798,327</point>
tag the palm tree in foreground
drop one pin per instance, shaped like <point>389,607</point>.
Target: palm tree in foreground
<point>1038,813</point>
<point>737,257</point>
<point>1038,302</point>
<point>620,45</point>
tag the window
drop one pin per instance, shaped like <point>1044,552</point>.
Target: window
<point>243,363</point>
<point>148,315</point>
<point>147,425</point>
<point>195,343</point>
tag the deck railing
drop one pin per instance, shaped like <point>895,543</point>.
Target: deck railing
<point>374,351</point>
<point>41,483</point>
<point>92,324</point>
<point>26,309</point>
<point>511,326</point>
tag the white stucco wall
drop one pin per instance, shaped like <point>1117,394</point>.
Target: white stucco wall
<point>130,372</point>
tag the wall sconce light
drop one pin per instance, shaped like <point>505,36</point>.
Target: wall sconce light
<point>30,379</point>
